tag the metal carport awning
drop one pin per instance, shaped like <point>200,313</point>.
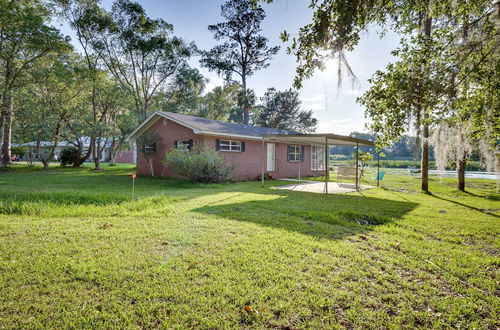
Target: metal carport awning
<point>331,139</point>
<point>325,139</point>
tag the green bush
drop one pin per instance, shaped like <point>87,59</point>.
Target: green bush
<point>20,151</point>
<point>69,156</point>
<point>201,164</point>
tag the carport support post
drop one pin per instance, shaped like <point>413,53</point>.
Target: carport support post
<point>327,165</point>
<point>378,169</point>
<point>357,163</point>
<point>263,164</point>
<point>299,166</point>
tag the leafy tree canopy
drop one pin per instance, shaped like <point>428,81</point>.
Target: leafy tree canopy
<point>283,110</point>
<point>219,102</point>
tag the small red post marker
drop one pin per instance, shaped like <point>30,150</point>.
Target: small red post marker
<point>133,184</point>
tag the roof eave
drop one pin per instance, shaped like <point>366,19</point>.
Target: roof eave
<point>241,136</point>
<point>348,139</point>
<point>151,120</point>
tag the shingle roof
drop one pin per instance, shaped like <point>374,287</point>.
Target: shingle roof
<point>216,126</point>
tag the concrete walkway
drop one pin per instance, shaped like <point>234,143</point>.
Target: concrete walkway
<point>319,187</point>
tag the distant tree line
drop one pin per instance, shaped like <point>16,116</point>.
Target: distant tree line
<point>406,148</point>
<point>122,66</point>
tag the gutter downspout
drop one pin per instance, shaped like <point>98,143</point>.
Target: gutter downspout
<point>263,163</point>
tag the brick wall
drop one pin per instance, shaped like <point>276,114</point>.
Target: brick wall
<point>249,162</point>
<point>125,156</point>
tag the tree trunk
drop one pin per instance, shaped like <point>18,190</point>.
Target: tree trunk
<point>97,164</point>
<point>424,168</point>
<point>7,127</point>
<point>145,111</point>
<point>149,159</point>
<point>30,158</point>
<point>497,163</point>
<point>97,154</point>
<point>417,153</point>
<point>78,156</point>
<point>461,173</point>
<point>246,110</point>
<point>112,152</point>
<point>462,154</point>
<point>7,111</point>
<point>45,161</point>
<point>1,135</point>
<point>82,159</point>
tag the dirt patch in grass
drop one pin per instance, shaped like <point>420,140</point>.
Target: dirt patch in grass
<point>361,218</point>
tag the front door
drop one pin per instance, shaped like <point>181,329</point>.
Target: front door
<point>271,157</point>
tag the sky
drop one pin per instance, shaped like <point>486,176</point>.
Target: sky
<point>335,108</point>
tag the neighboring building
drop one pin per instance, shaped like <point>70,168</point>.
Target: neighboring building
<point>240,144</point>
<point>125,156</point>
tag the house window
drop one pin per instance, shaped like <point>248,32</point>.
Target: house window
<point>229,145</point>
<point>295,154</point>
<point>184,145</point>
<point>149,148</point>
<point>318,158</point>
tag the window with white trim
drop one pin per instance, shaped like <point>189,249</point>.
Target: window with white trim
<point>149,148</point>
<point>229,145</point>
<point>294,154</point>
<point>183,145</point>
<point>318,158</point>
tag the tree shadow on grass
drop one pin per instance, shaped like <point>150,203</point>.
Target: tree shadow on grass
<point>487,195</point>
<point>484,211</point>
<point>322,216</point>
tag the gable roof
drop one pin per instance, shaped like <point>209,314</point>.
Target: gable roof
<point>208,126</point>
<point>205,124</point>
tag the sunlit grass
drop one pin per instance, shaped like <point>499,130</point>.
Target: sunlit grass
<point>76,251</point>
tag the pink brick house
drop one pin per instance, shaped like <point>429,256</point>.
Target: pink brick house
<point>240,144</point>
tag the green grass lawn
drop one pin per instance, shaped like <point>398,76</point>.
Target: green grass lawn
<point>77,252</point>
